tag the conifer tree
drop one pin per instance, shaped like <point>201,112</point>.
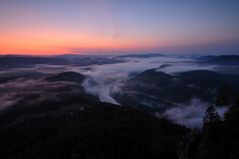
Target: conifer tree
<point>211,115</point>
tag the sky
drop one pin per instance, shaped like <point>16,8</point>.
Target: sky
<point>45,27</point>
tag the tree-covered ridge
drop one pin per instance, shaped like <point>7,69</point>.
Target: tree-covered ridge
<point>69,123</point>
<point>91,132</point>
<point>219,137</point>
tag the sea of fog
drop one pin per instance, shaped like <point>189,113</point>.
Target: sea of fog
<point>104,78</point>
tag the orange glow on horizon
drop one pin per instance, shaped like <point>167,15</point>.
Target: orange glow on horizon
<point>47,42</point>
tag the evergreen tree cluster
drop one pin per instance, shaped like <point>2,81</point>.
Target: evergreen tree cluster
<point>219,137</point>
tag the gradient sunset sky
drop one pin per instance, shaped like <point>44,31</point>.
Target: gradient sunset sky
<point>119,26</point>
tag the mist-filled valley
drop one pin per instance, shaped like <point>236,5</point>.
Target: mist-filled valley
<point>72,102</point>
<point>178,88</point>
<point>119,79</point>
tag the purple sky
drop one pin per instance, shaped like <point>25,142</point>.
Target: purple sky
<point>119,26</point>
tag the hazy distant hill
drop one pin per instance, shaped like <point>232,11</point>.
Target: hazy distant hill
<point>142,55</point>
<point>9,61</point>
<point>20,60</point>
<point>223,59</point>
<point>152,88</point>
<point>67,76</point>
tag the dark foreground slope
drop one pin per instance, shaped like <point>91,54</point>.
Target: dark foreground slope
<point>100,131</point>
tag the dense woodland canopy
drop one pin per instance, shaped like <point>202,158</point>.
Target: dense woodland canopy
<point>219,137</point>
<point>95,130</point>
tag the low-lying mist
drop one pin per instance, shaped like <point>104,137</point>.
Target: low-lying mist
<point>104,79</point>
<point>189,114</point>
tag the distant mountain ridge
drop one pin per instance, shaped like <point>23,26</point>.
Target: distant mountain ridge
<point>67,76</point>
<point>8,61</point>
<point>222,59</point>
<point>24,60</point>
<point>152,88</point>
<point>150,55</point>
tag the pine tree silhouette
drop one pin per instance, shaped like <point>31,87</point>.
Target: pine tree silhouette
<point>211,115</point>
